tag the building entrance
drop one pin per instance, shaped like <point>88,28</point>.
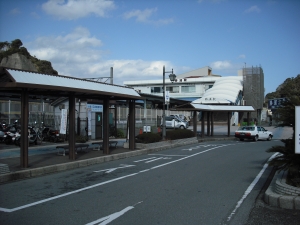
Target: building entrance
<point>99,123</point>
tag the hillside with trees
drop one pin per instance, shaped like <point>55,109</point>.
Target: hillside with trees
<point>290,87</point>
<point>287,160</point>
<point>7,50</point>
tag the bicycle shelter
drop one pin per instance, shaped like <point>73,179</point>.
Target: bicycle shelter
<point>26,85</point>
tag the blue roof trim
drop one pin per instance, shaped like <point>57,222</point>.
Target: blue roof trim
<point>188,99</point>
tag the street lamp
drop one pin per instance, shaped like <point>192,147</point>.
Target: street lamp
<point>172,78</point>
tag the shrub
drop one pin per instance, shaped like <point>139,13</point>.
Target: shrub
<point>120,133</point>
<point>179,134</point>
<point>81,139</point>
<point>287,160</point>
<point>146,138</point>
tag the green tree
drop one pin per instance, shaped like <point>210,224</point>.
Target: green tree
<point>16,44</point>
<point>290,87</point>
<point>4,46</point>
<point>287,159</point>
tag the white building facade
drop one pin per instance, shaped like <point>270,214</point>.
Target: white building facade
<point>188,86</point>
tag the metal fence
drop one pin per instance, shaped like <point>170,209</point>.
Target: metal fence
<point>42,115</point>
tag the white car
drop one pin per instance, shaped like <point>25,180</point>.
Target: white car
<point>182,118</point>
<point>174,123</point>
<point>254,133</point>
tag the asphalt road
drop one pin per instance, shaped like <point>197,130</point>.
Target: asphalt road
<point>208,183</point>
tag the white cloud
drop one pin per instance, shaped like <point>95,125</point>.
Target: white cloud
<point>221,65</point>
<point>79,54</point>
<point>242,56</point>
<point>143,16</point>
<point>35,15</point>
<point>253,9</point>
<point>15,11</point>
<point>74,9</point>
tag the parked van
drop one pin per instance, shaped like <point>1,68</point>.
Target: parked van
<point>174,123</point>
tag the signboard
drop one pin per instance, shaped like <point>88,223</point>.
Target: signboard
<point>275,103</point>
<point>167,97</point>
<point>95,108</point>
<point>63,121</point>
<point>297,129</point>
<point>147,129</point>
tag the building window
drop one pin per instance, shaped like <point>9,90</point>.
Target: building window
<point>156,90</point>
<point>188,89</point>
<point>174,89</point>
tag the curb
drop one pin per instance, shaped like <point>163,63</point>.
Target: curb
<point>35,172</point>
<point>281,195</point>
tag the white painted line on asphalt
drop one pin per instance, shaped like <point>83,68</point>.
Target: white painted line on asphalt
<point>189,156</point>
<point>144,159</point>
<point>154,160</point>
<point>103,183</point>
<point>250,188</point>
<point>107,219</point>
<point>65,194</point>
<point>169,155</point>
<point>113,169</point>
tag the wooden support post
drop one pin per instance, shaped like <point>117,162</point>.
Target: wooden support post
<point>24,129</point>
<point>208,123</point>
<point>72,139</point>
<point>202,124</point>
<point>195,123</point>
<point>228,123</point>
<point>212,123</point>
<point>105,126</point>
<point>132,124</point>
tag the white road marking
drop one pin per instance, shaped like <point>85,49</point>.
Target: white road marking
<point>65,194</point>
<point>144,159</point>
<point>169,155</point>
<point>107,219</point>
<point>197,147</point>
<point>113,169</point>
<point>154,160</point>
<point>250,188</point>
<point>103,183</point>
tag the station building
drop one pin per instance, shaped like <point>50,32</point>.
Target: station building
<point>201,86</point>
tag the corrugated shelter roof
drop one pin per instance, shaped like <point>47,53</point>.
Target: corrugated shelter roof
<point>224,91</point>
<point>12,81</point>
<point>215,108</point>
<point>233,108</point>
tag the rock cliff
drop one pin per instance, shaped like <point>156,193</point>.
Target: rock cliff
<point>18,61</point>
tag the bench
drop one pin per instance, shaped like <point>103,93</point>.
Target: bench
<point>100,145</point>
<point>78,147</point>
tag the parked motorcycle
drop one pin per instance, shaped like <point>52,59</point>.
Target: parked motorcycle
<point>10,132</point>
<point>50,134</point>
<point>34,136</point>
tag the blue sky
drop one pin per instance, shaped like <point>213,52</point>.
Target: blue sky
<point>84,38</point>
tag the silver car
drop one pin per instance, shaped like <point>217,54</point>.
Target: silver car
<point>174,123</point>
